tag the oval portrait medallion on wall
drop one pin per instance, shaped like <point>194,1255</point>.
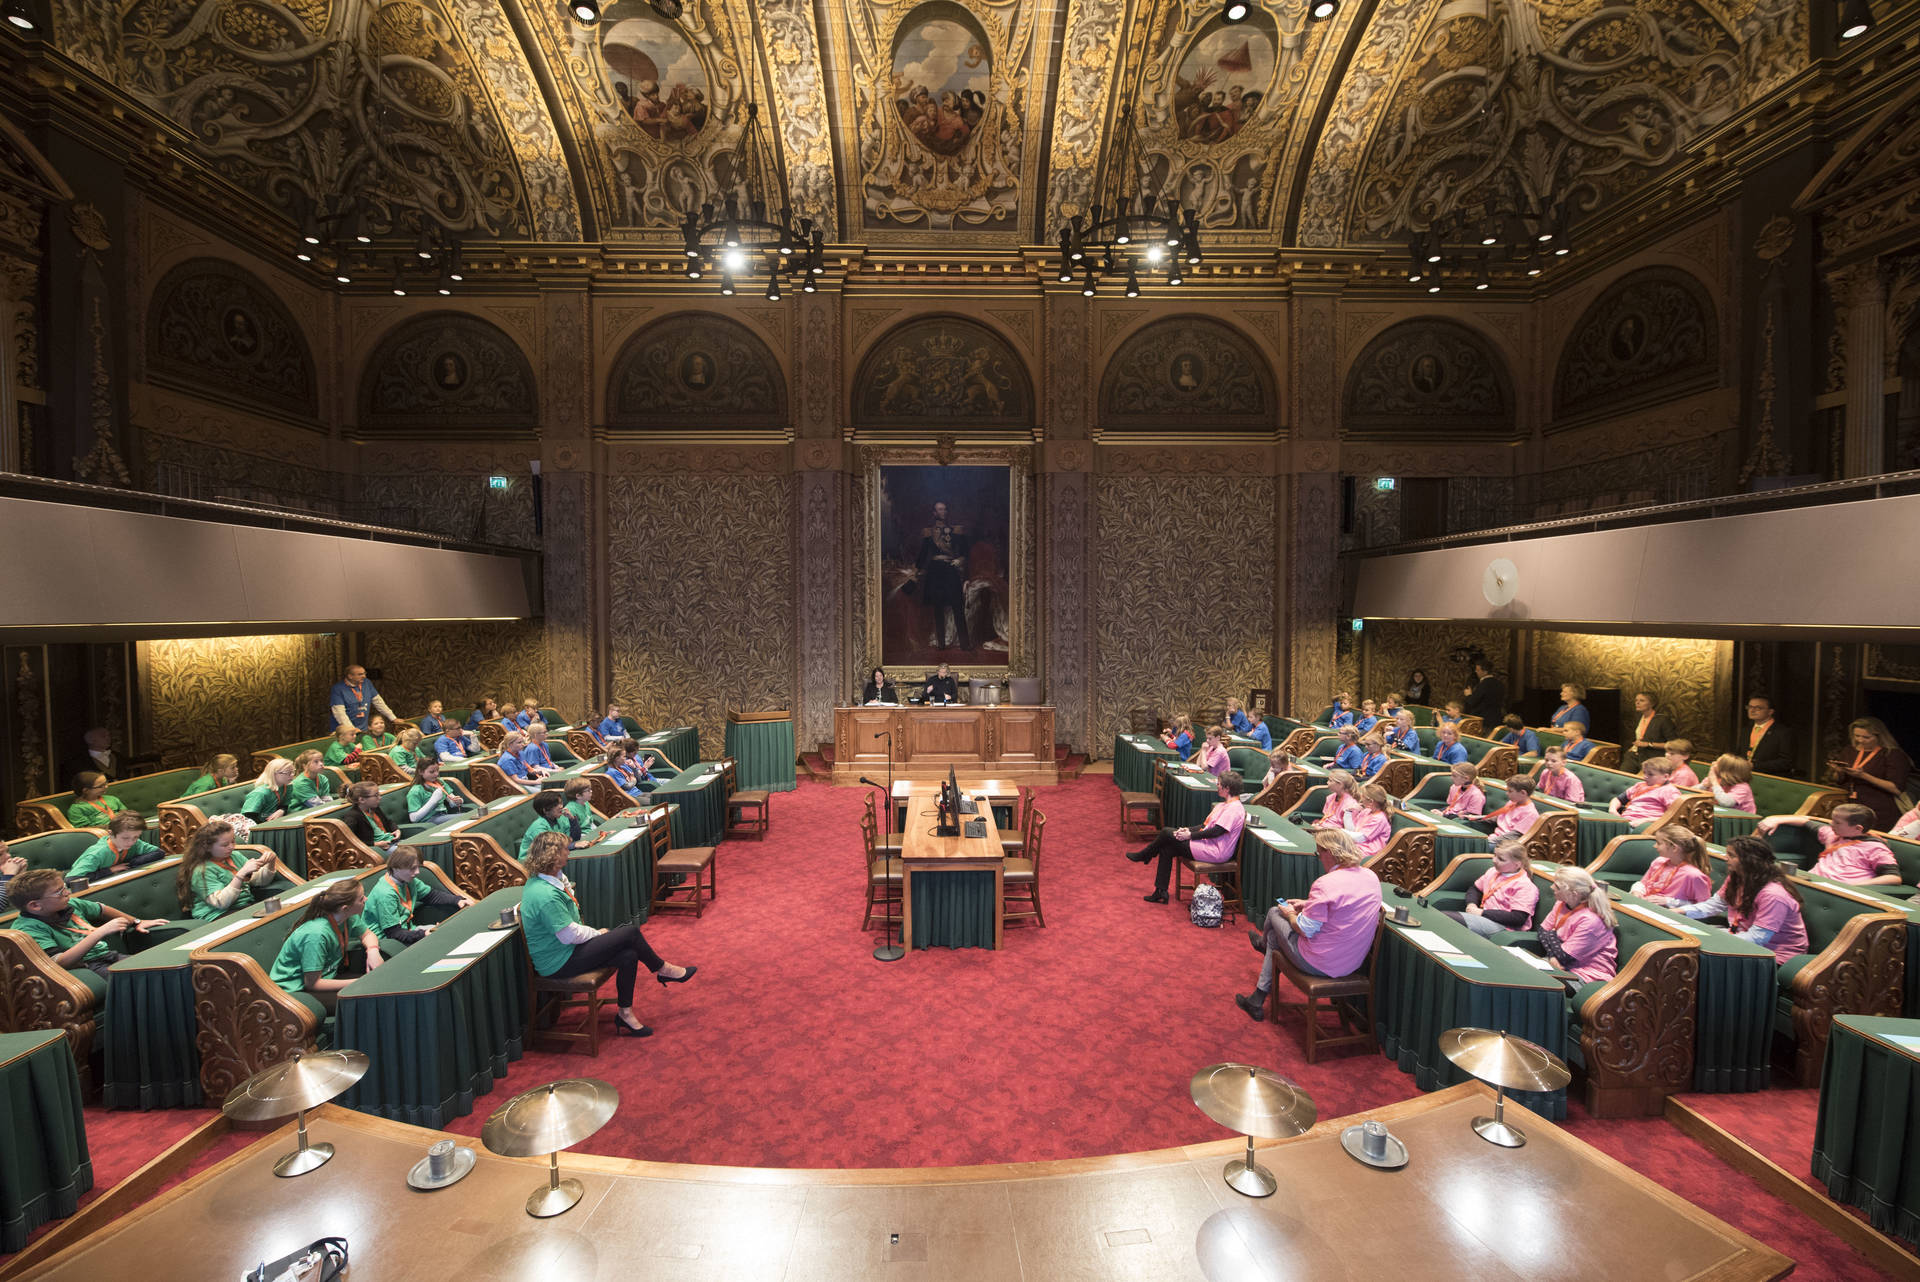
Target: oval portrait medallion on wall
<point>449,371</point>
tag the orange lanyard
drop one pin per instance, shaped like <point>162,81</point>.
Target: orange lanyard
<point>406,894</point>
<point>1860,759</point>
<point>1645,721</point>
<point>1759,732</point>
<point>1511,805</point>
<point>340,933</point>
<point>1561,915</point>
<point>377,819</point>
<point>1667,872</point>
<point>1503,882</point>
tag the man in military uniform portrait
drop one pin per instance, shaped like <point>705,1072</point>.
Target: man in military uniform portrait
<point>942,571</point>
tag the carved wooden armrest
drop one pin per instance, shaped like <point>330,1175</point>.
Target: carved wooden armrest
<point>1862,972</point>
<point>1606,755</point>
<point>1407,860</point>
<point>1691,812</point>
<point>482,866</point>
<point>447,879</point>
<point>37,817</point>
<point>36,994</point>
<point>247,1021</point>
<point>331,846</point>
<point>1637,1031</point>
<point>179,820</point>
<point>1500,763</point>
<point>1555,837</point>
<point>582,745</point>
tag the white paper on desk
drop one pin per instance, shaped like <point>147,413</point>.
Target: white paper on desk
<point>1531,959</point>
<point>1273,838</point>
<point>1459,960</point>
<point>474,945</point>
<point>215,936</point>
<point>1677,923</point>
<point>1906,1041</point>
<point>619,838</point>
<point>456,827</point>
<point>448,963</point>
<point>1428,940</point>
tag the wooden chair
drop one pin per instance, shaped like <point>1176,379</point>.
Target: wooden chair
<point>1349,997</point>
<point>693,865</point>
<point>883,873</point>
<point>1023,813</point>
<point>750,804</point>
<point>549,996</point>
<point>1140,811</point>
<point>1020,879</point>
<point>1187,870</point>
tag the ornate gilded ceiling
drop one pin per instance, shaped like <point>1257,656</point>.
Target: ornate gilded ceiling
<point>976,122</point>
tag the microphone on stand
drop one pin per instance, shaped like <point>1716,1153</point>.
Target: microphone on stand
<point>888,951</point>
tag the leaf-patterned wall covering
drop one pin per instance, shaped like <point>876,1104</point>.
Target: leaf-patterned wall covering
<point>1688,676</point>
<point>1395,648</point>
<point>459,663</point>
<point>702,604</point>
<point>1179,628</point>
<point>238,694</point>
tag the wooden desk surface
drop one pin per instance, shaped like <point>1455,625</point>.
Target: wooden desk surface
<point>995,789</point>
<point>1555,1209</point>
<point>918,845</point>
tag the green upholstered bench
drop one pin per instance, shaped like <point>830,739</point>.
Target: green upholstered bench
<point>1603,753</point>
<point>1598,826</point>
<point>1631,1038</point>
<point>1626,858</point>
<point>1855,964</point>
<point>246,1021</point>
<point>1778,795</point>
<point>56,849</point>
<point>1405,861</point>
<point>1496,760</point>
<point>290,751</point>
<point>180,818</point>
<point>1292,734</point>
<point>331,845</point>
<point>142,794</point>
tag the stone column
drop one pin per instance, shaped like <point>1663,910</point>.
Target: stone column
<point>573,502</point>
<point>1866,445</point>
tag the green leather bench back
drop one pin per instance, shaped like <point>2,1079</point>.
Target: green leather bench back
<point>54,849</point>
<point>1477,749</point>
<point>1602,785</point>
<point>507,825</point>
<point>147,892</point>
<point>1422,714</point>
<point>1252,763</point>
<point>143,793</point>
<point>1772,794</point>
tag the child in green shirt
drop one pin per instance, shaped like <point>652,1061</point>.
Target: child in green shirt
<point>92,806</point>
<point>311,784</point>
<point>74,933</point>
<point>395,900</point>
<point>121,845</point>
<point>310,960</point>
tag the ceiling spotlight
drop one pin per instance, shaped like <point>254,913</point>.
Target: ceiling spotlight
<point>1414,273</point>
<point>668,9</point>
<point>423,249</point>
<point>1066,273</point>
<point>1173,274</point>
<point>586,12</point>
<point>1086,286</point>
<point>445,285</point>
<point>1321,10</point>
<point>693,269</point>
<point>1490,237</point>
<point>1563,246</point>
<point>302,254</point>
<point>1235,11</point>
<point>1433,247</point>
<point>342,276</point>
<point>773,288</point>
<point>1484,280</point>
<point>1156,254</point>
<point>1433,286</point>
<point>18,16</point>
<point>1856,18</point>
<point>726,284</point>
<point>1133,285</point>
<point>399,286</point>
<point>310,230</point>
<point>1533,264</point>
<point>807,286</point>
<point>735,260</point>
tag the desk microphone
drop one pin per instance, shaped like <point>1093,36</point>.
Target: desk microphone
<point>870,783</point>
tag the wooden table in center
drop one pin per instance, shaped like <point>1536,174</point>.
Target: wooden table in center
<point>951,885</point>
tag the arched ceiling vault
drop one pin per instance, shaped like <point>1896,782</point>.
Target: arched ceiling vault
<point>977,123</point>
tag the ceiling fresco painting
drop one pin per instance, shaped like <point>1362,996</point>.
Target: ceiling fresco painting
<point>900,119</point>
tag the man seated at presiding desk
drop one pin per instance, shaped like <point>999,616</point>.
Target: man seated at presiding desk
<point>879,689</point>
<point>941,687</point>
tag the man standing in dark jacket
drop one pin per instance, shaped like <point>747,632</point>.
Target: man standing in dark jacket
<point>1487,696</point>
<point>1769,745</point>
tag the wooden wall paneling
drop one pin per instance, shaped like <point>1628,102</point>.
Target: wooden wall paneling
<point>460,663</point>
<point>239,694</point>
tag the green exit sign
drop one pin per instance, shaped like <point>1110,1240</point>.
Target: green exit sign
<point>1383,483</point>
<point>496,482</point>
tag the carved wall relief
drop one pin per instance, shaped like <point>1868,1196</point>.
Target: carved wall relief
<point>214,330</point>
<point>1429,379</point>
<point>941,370</point>
<point>694,369</point>
<point>446,372</point>
<point>1191,371</point>
<point>1651,336</point>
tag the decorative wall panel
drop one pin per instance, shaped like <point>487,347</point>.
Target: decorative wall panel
<point>1429,378</point>
<point>238,694</point>
<point>1651,335</point>
<point>448,498</point>
<point>447,372</point>
<point>460,663</point>
<point>1396,648</point>
<point>216,331</point>
<point>702,616</point>
<point>1680,672</point>
<point>210,469</point>
<point>696,369</point>
<point>1188,370</point>
<point>942,370</point>
<point>1180,625</point>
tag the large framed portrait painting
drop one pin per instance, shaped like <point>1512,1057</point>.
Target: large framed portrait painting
<point>945,565</point>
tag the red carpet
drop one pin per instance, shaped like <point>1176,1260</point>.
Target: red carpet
<point>1778,1124</point>
<point>794,1048</point>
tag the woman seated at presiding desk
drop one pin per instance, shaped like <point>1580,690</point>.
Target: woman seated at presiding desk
<point>1759,902</point>
<point>210,884</point>
<point>1215,842</point>
<point>1504,897</point>
<point>310,959</point>
<point>561,946</point>
<point>1330,932</point>
<point>395,900</point>
<point>879,689</point>
<point>73,933</point>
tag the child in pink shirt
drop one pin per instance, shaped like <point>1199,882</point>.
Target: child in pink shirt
<point>1504,896</point>
<point>1759,901</point>
<point>1556,780</point>
<point>1729,778</point>
<point>1519,815</point>
<point>1465,798</point>
<point>1679,873</point>
<point>1369,824</point>
<point>1340,800</point>
<point>1678,752</point>
<point>1578,930</point>
<point>1652,797</point>
<point>1848,851</point>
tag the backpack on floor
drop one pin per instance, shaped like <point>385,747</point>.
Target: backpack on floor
<point>1207,908</point>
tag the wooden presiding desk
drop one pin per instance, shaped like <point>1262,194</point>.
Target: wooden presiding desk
<point>1013,741</point>
<point>951,886</point>
<point>1554,1211</point>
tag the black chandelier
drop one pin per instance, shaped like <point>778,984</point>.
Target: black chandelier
<point>1466,249</point>
<point>411,256</point>
<point>738,240</point>
<point>1138,234</point>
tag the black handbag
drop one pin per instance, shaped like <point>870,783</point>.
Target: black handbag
<point>321,1261</point>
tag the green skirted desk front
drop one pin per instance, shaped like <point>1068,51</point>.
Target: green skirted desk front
<point>681,744</point>
<point>1133,758</point>
<point>700,793</point>
<point>1278,860</point>
<point>763,754</point>
<point>44,1165</point>
<point>1728,824</point>
<point>1422,989</point>
<point>1187,793</point>
<point>1866,1145</point>
<point>614,875</point>
<point>147,1042</point>
<point>953,908</point>
<point>441,1021</point>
